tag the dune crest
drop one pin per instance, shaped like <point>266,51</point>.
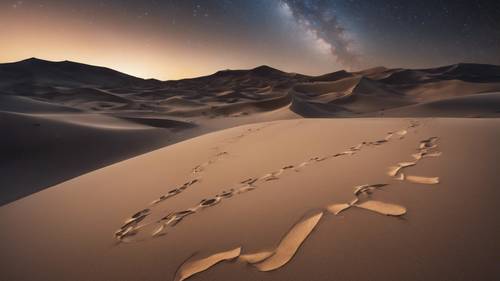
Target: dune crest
<point>191,268</point>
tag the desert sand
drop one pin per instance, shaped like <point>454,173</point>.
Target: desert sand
<point>82,117</point>
<point>271,217</point>
<point>106,176</point>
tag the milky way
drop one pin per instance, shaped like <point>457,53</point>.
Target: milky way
<point>317,16</point>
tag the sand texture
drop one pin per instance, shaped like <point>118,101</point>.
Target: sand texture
<point>281,200</point>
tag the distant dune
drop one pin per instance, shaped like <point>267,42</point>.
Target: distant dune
<point>62,119</point>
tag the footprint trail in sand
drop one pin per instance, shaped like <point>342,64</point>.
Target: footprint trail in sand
<point>127,231</point>
<point>132,226</point>
<point>426,148</point>
<point>273,259</point>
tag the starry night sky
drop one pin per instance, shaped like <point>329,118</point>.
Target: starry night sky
<point>171,39</point>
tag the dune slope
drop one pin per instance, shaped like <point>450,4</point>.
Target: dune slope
<point>270,193</point>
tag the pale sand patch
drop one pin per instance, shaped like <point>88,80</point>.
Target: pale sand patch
<point>423,180</point>
<point>366,188</point>
<point>159,230</point>
<point>401,133</point>
<point>401,177</point>
<point>383,208</point>
<point>189,269</point>
<point>290,244</point>
<point>394,170</point>
<point>256,257</point>
<point>337,208</point>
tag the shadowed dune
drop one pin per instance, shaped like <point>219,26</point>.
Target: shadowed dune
<point>479,105</point>
<point>40,150</point>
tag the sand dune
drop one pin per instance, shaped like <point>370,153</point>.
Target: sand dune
<point>422,231</point>
<point>40,150</point>
<point>479,105</point>
<point>300,199</point>
<point>83,117</point>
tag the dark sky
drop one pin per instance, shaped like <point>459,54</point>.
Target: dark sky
<point>170,39</point>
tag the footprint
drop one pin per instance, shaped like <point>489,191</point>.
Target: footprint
<point>401,177</point>
<point>210,202</point>
<point>290,244</point>
<point>394,170</point>
<point>348,152</point>
<point>401,133</point>
<point>338,208</point>
<point>272,176</point>
<point>175,191</point>
<point>159,231</point>
<point>255,257</point>
<point>378,142</point>
<point>191,268</point>
<point>357,147</point>
<point>423,180</point>
<point>226,194</point>
<point>428,143</point>
<point>221,153</point>
<point>414,124</point>
<point>387,209</point>
<point>123,233</point>
<point>250,181</point>
<point>131,223</point>
<point>171,193</point>
<point>425,154</point>
<point>245,189</point>
<point>141,213</point>
<point>301,165</point>
<point>367,188</point>
<point>358,190</point>
<point>175,218</point>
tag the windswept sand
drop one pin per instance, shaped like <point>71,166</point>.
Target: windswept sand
<point>305,199</point>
